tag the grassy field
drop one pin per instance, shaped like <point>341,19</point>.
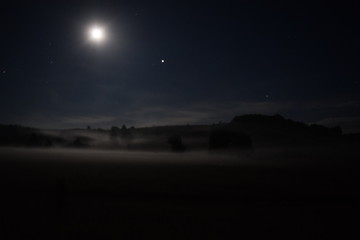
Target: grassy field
<point>297,193</point>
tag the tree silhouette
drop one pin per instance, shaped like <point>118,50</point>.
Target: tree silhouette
<point>114,132</point>
<point>176,143</point>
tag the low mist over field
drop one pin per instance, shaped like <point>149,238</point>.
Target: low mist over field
<point>63,191</point>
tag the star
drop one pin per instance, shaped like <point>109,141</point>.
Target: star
<point>162,60</point>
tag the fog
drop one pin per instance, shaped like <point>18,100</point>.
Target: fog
<point>262,156</point>
<point>69,191</point>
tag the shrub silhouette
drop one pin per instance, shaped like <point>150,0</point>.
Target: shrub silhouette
<point>80,142</point>
<point>176,143</point>
<point>224,138</point>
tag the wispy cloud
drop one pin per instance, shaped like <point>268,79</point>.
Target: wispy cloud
<point>201,113</point>
<point>81,120</point>
<point>156,115</point>
<point>348,124</point>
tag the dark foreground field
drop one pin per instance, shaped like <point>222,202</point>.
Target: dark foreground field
<point>89,194</point>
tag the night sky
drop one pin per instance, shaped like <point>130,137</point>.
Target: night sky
<point>221,59</point>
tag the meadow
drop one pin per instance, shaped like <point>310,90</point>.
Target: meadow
<point>295,193</point>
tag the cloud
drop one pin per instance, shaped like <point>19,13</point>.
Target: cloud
<point>201,113</point>
<point>347,124</point>
<point>86,120</point>
<point>74,121</point>
<point>156,115</point>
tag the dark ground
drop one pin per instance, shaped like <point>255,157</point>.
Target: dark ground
<point>87,194</point>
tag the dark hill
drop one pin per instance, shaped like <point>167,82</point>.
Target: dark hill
<point>275,130</point>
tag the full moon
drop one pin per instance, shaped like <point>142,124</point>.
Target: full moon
<point>97,34</point>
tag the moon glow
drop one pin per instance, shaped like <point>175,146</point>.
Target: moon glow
<point>97,34</point>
